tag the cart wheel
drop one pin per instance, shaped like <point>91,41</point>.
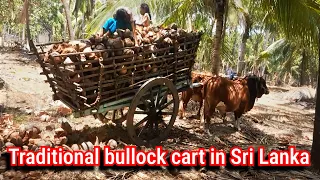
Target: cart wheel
<point>152,123</point>
<point>114,118</point>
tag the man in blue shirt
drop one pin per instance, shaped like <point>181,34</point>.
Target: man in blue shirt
<point>122,19</point>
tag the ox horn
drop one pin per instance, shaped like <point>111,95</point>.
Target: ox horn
<point>197,84</point>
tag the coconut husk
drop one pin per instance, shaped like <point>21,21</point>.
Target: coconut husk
<point>146,41</point>
<point>69,68</point>
<point>33,147</point>
<point>118,53</point>
<point>59,132</point>
<point>99,47</point>
<point>75,44</point>
<point>25,148</point>
<point>123,70</point>
<point>48,135</point>
<point>128,52</point>
<point>57,59</point>
<point>116,43</point>
<point>120,33</point>
<point>9,144</point>
<point>112,144</point>
<point>70,50</point>
<point>76,147</point>
<point>87,146</point>
<point>140,57</point>
<point>15,138</point>
<point>128,42</point>
<point>76,78</point>
<point>154,68</point>
<point>89,54</point>
<point>128,34</point>
<point>60,141</point>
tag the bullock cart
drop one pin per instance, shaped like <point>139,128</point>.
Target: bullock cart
<point>145,83</point>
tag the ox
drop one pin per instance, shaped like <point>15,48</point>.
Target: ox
<point>194,93</point>
<point>237,96</point>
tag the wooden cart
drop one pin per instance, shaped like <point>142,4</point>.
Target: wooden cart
<point>150,94</point>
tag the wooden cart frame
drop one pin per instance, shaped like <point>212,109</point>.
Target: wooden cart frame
<point>101,89</point>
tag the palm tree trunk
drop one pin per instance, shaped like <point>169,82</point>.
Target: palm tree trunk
<point>216,59</point>
<point>243,45</point>
<point>68,18</point>
<point>3,35</point>
<point>28,2</point>
<point>315,160</point>
<point>303,68</point>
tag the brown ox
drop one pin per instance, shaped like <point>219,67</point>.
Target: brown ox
<point>238,96</point>
<point>194,93</point>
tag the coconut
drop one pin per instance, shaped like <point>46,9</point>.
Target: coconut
<point>117,43</point>
<point>148,68</point>
<point>140,57</point>
<point>120,33</point>
<point>56,58</point>
<point>87,146</point>
<point>76,147</point>
<point>81,45</point>
<point>128,42</point>
<point>89,54</point>
<point>146,41</point>
<point>129,52</point>
<point>99,47</point>
<point>123,70</point>
<point>15,138</point>
<point>70,69</point>
<point>8,144</point>
<point>76,78</point>
<point>128,34</point>
<point>112,144</point>
<point>154,68</point>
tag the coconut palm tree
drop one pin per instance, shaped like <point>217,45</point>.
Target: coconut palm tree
<point>303,25</point>
<point>68,18</point>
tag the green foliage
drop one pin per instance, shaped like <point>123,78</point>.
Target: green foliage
<point>279,29</point>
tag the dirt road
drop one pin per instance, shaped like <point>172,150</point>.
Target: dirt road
<point>274,121</point>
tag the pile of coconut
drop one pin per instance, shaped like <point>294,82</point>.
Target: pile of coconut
<point>31,137</point>
<point>120,43</point>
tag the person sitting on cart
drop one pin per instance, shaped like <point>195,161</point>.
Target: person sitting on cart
<point>122,19</point>
<point>146,16</point>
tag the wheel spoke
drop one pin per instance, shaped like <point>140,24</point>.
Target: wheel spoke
<point>145,102</point>
<point>166,105</point>
<point>141,122</point>
<point>151,97</point>
<point>144,128</point>
<point>158,96</point>
<point>164,97</point>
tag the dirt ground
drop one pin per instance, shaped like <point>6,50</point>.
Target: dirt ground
<point>275,122</point>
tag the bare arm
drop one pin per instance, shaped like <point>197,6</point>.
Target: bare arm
<point>134,33</point>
